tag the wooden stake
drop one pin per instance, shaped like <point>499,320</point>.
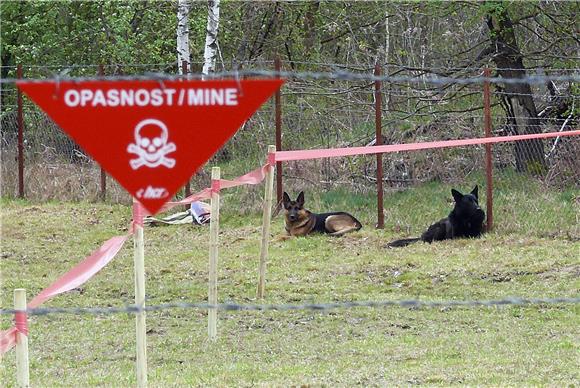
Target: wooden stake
<point>214,229</point>
<point>22,365</point>
<point>267,215</point>
<point>140,327</point>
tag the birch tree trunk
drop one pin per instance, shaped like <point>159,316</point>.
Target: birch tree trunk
<point>182,34</point>
<point>211,45</point>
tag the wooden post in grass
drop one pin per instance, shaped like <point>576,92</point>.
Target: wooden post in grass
<point>267,215</point>
<point>22,366</point>
<point>140,327</point>
<point>214,229</point>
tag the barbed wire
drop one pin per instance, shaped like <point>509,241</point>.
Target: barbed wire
<point>414,93</point>
<point>338,75</point>
<point>410,303</point>
<point>94,65</point>
<point>537,95</point>
<point>405,67</point>
<point>128,65</point>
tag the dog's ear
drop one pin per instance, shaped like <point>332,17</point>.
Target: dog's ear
<point>474,192</point>
<point>286,200</point>
<point>300,199</point>
<point>457,196</point>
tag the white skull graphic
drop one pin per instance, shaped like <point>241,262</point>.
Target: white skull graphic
<point>151,149</point>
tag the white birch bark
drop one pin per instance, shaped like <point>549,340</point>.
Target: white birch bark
<point>183,53</point>
<point>211,45</point>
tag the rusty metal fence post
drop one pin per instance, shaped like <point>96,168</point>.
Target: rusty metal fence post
<point>378,142</point>
<point>103,173</point>
<point>184,71</point>
<point>278,104</point>
<point>488,154</point>
<point>20,119</point>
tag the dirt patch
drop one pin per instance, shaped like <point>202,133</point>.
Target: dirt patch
<point>356,240</point>
<point>566,271</point>
<point>572,271</point>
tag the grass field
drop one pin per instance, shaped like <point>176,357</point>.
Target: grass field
<point>534,251</point>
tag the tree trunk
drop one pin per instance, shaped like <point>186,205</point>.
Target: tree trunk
<point>519,102</point>
<point>182,34</point>
<point>211,45</point>
<point>310,34</point>
<point>248,12</point>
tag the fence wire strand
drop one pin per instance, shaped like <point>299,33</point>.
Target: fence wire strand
<point>337,75</point>
<point>322,109</point>
<point>409,303</point>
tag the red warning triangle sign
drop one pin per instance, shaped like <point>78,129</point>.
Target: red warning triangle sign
<point>151,136</point>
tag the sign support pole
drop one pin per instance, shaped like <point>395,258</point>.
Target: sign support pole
<point>267,215</point>
<point>140,326</point>
<point>214,229</point>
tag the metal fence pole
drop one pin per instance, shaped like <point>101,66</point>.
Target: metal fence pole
<point>103,173</point>
<point>184,70</point>
<point>20,119</point>
<point>278,103</point>
<point>488,154</point>
<point>378,142</point>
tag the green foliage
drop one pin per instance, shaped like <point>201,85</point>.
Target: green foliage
<point>492,8</point>
<point>87,32</point>
<point>111,32</point>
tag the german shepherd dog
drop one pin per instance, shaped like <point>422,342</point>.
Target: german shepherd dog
<point>465,220</point>
<point>300,222</point>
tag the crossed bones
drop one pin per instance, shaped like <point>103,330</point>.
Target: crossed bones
<point>151,160</point>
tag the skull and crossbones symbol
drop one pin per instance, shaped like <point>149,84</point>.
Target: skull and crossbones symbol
<point>151,149</point>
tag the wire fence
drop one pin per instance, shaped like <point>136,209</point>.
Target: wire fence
<point>408,303</point>
<point>100,350</point>
<point>335,75</point>
<point>326,106</point>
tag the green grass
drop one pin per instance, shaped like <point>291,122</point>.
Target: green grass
<point>533,252</point>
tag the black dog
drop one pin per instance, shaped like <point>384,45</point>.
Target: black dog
<point>465,220</point>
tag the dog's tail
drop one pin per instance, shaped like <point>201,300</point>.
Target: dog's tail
<point>402,242</point>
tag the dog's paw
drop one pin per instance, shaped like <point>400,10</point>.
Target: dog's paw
<point>282,237</point>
